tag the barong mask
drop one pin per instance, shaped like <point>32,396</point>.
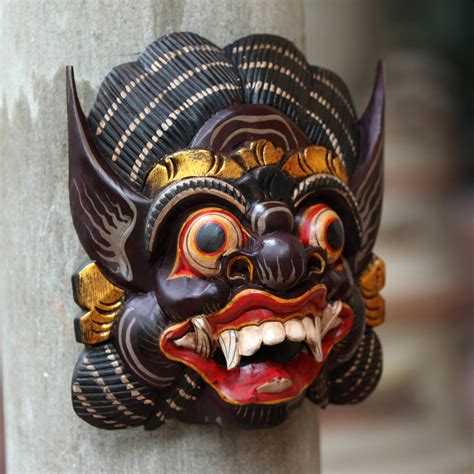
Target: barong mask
<point>229,200</point>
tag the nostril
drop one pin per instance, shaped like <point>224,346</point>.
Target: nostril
<point>239,269</point>
<point>316,264</point>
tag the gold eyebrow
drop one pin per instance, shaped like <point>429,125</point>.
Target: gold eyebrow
<point>203,163</point>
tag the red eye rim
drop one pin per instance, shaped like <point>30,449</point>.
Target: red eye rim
<point>308,220</point>
<point>182,266</point>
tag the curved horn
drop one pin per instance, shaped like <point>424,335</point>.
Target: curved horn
<point>107,214</point>
<point>367,178</point>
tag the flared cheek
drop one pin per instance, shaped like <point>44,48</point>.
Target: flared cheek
<point>339,282</point>
<point>347,347</point>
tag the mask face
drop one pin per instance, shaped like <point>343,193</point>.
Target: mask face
<point>229,200</point>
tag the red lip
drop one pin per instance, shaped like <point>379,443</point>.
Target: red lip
<point>253,307</point>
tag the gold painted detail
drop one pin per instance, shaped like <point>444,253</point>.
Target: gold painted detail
<point>315,160</point>
<point>203,163</point>
<point>371,282</point>
<point>188,164</point>
<point>260,153</point>
<point>93,291</point>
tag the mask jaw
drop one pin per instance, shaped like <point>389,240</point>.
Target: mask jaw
<point>107,214</point>
<point>367,179</point>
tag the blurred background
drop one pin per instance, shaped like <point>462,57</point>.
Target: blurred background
<point>420,418</point>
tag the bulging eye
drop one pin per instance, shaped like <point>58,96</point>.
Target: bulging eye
<point>321,227</point>
<point>205,237</point>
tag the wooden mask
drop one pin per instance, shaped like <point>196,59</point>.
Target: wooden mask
<point>229,200</point>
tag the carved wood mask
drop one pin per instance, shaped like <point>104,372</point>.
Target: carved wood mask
<point>229,200</point>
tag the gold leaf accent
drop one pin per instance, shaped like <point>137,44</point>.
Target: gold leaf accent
<point>93,291</point>
<point>189,164</point>
<point>315,160</point>
<point>199,163</point>
<point>260,153</point>
<point>372,280</point>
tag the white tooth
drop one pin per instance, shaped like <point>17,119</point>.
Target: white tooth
<point>275,386</point>
<point>188,341</point>
<point>295,330</point>
<point>229,346</point>
<point>204,341</point>
<point>313,337</point>
<point>250,340</point>
<point>273,333</point>
<point>330,318</point>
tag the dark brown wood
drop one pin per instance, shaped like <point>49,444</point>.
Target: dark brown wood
<point>229,200</point>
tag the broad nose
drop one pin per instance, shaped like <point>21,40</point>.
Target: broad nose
<point>280,260</point>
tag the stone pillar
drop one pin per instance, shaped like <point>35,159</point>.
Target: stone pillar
<point>39,249</point>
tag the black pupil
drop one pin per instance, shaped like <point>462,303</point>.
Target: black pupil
<point>335,234</point>
<point>210,237</point>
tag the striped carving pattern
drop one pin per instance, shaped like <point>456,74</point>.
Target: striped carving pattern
<point>318,391</point>
<point>275,73</point>
<point>263,416</point>
<point>153,107</point>
<point>177,400</point>
<point>105,395</point>
<point>355,380</point>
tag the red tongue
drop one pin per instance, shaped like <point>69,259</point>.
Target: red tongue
<point>240,385</point>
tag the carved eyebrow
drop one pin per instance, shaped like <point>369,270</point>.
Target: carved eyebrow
<point>182,190</point>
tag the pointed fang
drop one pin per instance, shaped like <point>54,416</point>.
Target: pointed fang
<point>313,337</point>
<point>188,341</point>
<point>230,348</point>
<point>318,353</point>
<point>330,317</point>
<point>204,340</point>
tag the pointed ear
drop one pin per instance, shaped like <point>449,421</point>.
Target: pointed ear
<point>107,214</point>
<point>367,178</point>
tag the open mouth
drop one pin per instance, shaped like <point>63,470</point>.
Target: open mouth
<point>260,348</point>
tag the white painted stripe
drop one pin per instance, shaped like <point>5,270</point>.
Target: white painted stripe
<point>341,96</point>
<point>257,131</point>
<point>276,67</point>
<point>334,113</point>
<point>286,95</point>
<point>260,226</point>
<point>135,362</point>
<point>272,47</point>
<point>182,78</point>
<point>158,64</point>
<point>170,121</point>
<point>253,119</point>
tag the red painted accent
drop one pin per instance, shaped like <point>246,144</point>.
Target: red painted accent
<point>239,385</point>
<point>306,223</point>
<point>184,268</point>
